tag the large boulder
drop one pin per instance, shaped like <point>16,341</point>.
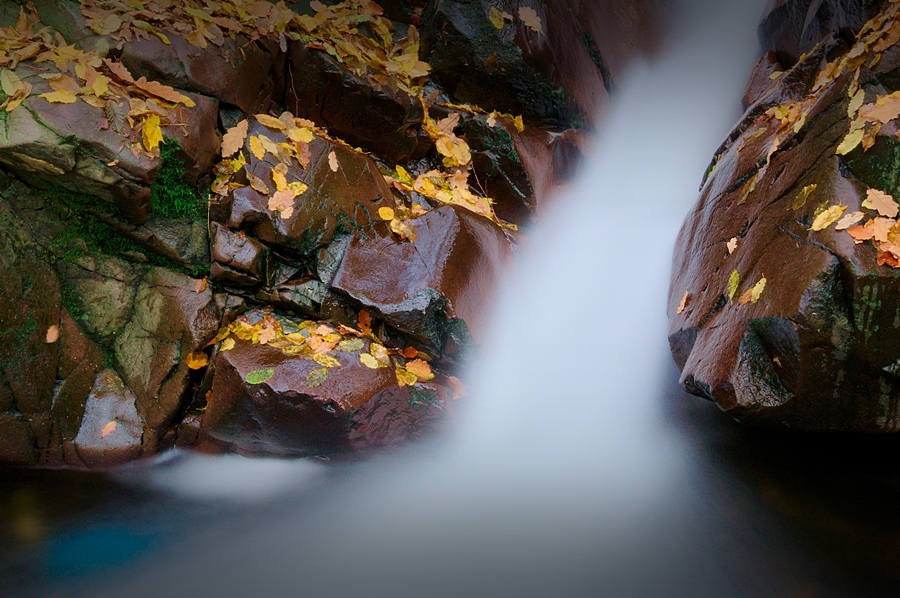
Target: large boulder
<point>783,307</point>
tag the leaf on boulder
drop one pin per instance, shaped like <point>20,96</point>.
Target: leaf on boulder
<point>682,305</point>
<point>498,17</point>
<point>259,376</point>
<point>317,377</point>
<point>853,139</point>
<point>827,217</point>
<point>804,194</point>
<point>326,361</point>
<point>405,377</point>
<point>333,161</point>
<point>227,345</point>
<point>234,138</point>
<point>257,183</point>
<point>731,245</point>
<point>164,92</point>
<point>733,281</point>
<point>52,334</point>
<point>108,429</point>
<point>61,96</point>
<point>386,213</point>
<point>848,220</point>
<point>531,19</point>
<point>753,294</point>
<point>283,202</point>
<point>882,202</point>
<point>151,134</point>
<point>256,147</point>
<point>350,345</point>
<point>270,122</point>
<point>421,369</point>
<point>370,362</point>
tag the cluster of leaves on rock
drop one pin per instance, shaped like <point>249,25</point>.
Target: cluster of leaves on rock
<point>877,221</point>
<point>321,342</point>
<point>105,84</point>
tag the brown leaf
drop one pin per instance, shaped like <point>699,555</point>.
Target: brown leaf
<point>882,202</point>
<point>161,91</point>
<point>364,321</point>
<point>52,334</point>
<point>257,183</point>
<point>234,138</point>
<point>119,70</point>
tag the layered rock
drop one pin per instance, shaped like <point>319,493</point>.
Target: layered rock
<point>783,307</point>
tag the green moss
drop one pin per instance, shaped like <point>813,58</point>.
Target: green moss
<point>170,196</point>
<point>419,398</point>
<point>879,167</point>
<point>501,141</point>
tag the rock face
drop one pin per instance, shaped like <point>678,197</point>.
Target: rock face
<point>789,201</point>
<point>265,228</point>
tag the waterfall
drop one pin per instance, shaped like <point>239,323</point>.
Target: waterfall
<point>562,474</point>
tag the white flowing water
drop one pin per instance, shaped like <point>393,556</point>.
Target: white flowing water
<point>565,474</point>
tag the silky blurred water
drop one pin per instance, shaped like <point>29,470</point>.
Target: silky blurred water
<point>575,467</point>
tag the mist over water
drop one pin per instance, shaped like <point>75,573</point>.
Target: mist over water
<point>563,473</point>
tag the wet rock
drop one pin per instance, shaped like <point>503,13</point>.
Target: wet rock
<point>448,274</point>
<point>336,201</point>
<point>818,350</point>
<point>383,120</point>
<point>761,78</point>
<point>235,73</point>
<point>237,259</point>
<point>792,27</point>
<point>111,431</point>
<point>354,409</point>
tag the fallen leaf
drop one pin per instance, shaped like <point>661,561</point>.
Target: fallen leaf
<point>492,119</point>
<point>364,321</point>
<point>60,96</point>
<point>270,122</point>
<point>386,213</point>
<point>731,245</point>
<point>410,352</point>
<point>827,218</point>
<point>151,133</point>
<point>119,70</point>
<point>326,361</point>
<point>848,220</point>
<point>256,148</point>
<point>301,135</point>
<point>531,19</point>
<point>233,139</point>
<point>853,139</point>
<point>421,369</point>
<point>333,161</point>
<point>749,187</point>
<point>351,344</point>
<point>498,17</point>
<point>733,281</point>
<point>259,376</point>
<point>683,304</point>
<point>108,429</point>
<point>456,386</point>
<point>227,344</point>
<point>855,103</point>
<point>283,202</point>
<point>196,360</point>
<point>370,362</point>
<point>753,294</point>
<point>861,233</point>
<point>405,377</point>
<point>257,183</point>
<point>164,92</point>
<point>884,110</point>
<point>201,285</point>
<point>519,123</point>
<point>882,202</point>
<point>881,228</point>
<point>52,334</point>
<point>804,194</point>
<point>317,377</point>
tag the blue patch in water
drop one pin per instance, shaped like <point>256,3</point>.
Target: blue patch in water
<point>91,550</point>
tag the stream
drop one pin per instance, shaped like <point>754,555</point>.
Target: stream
<point>575,466</point>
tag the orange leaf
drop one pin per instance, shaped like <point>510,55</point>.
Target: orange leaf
<point>364,320</point>
<point>164,92</point>
<point>410,352</point>
<point>421,369</point>
<point>234,138</point>
<point>108,429</point>
<point>196,360</point>
<point>52,334</point>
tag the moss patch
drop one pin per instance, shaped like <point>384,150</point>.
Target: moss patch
<point>170,196</point>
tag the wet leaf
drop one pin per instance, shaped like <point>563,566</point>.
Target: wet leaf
<point>531,19</point>
<point>498,17</point>
<point>853,139</point>
<point>257,183</point>
<point>884,110</point>
<point>860,233</point>
<point>256,148</point>
<point>370,362</point>
<point>683,304</point>
<point>196,360</point>
<point>882,202</point>
<point>410,352</point>
<point>270,122</point>
<point>283,202</point>
<point>364,321</point>
<point>227,345</point>
<point>333,161</point>
<point>827,218</point>
<point>350,345</point>
<point>421,369</point>
<point>731,245</point>
<point>804,194</point>
<point>60,96</point>
<point>749,187</point>
<point>881,228</point>
<point>52,334</point>
<point>848,220</point>
<point>317,377</point>
<point>753,294</point>
<point>386,213</point>
<point>326,361</point>
<point>164,92</point>
<point>266,335</point>
<point>108,429</point>
<point>234,138</point>
<point>855,103</point>
<point>259,376</point>
<point>733,282</point>
<point>151,134</point>
<point>405,377</point>
<point>301,135</point>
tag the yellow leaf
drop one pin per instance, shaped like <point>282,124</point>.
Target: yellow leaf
<point>196,360</point>
<point>279,179</point>
<point>10,82</point>
<point>519,123</point>
<point>370,362</point>
<point>298,187</point>
<point>270,121</point>
<point>326,361</point>
<point>733,281</point>
<point>403,229</point>
<point>753,294</point>
<point>301,134</point>
<point>256,147</point>
<point>803,196</point>
<point>386,213</point>
<point>853,138</point>
<point>496,18</point>
<point>531,19</point>
<point>775,75</point>
<point>60,97</point>
<point>100,87</point>
<point>855,103</point>
<point>405,377</point>
<point>150,132</point>
<point>227,344</point>
<point>827,218</point>
<point>234,138</point>
<point>317,377</point>
<point>749,187</point>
